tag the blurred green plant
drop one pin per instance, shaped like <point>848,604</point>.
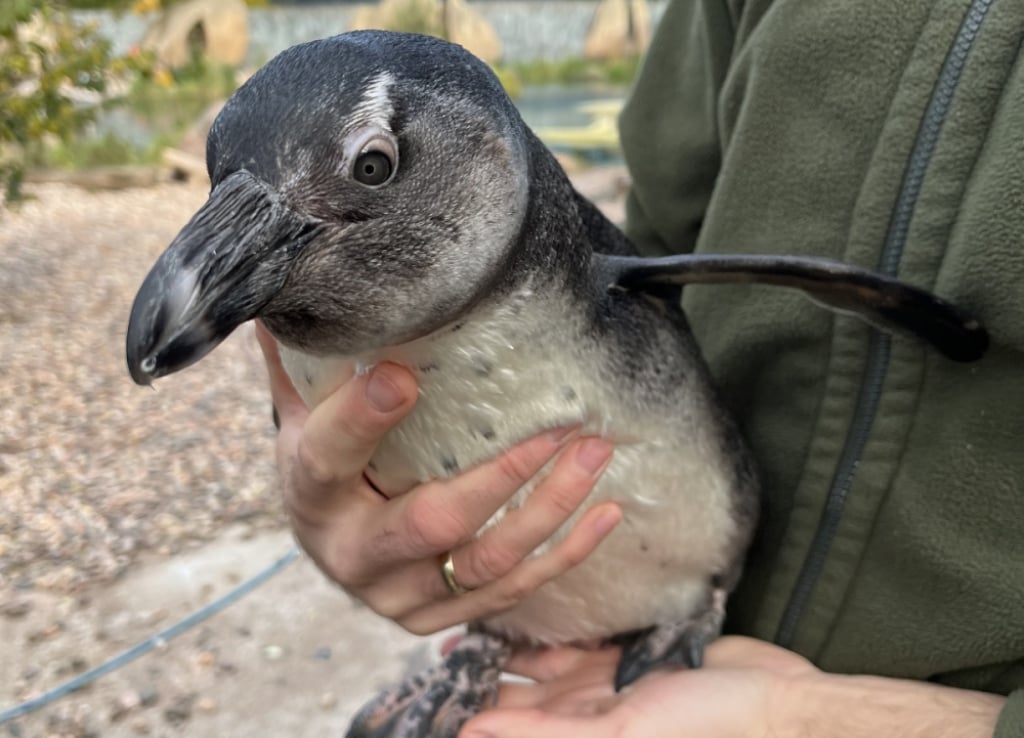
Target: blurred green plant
<point>53,72</point>
<point>418,16</point>
<point>570,71</point>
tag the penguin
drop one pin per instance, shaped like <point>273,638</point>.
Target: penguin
<point>377,197</point>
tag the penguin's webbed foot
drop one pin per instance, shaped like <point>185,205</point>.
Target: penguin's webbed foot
<point>676,644</point>
<point>437,702</point>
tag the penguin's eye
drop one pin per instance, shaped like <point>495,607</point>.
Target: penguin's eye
<point>372,168</point>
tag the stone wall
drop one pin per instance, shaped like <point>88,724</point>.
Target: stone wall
<point>528,29</point>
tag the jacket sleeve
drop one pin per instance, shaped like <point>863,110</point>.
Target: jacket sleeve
<point>669,128</point>
<point>1011,719</point>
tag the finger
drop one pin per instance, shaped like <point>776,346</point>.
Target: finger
<point>504,546</point>
<point>342,432</point>
<point>288,405</point>
<point>417,597</point>
<point>581,694</point>
<point>438,516</point>
<point>547,508</point>
<point>568,680</point>
<point>510,590</point>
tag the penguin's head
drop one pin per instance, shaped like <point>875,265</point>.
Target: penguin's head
<point>366,190</point>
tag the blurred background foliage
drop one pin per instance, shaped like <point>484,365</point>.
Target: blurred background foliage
<point>48,65</point>
<point>68,102</point>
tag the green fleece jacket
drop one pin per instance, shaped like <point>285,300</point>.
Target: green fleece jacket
<point>890,135</point>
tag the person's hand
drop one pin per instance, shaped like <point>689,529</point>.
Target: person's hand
<point>735,693</point>
<point>746,688</point>
<point>386,552</point>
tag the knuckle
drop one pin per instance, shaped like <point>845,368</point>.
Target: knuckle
<point>488,561</point>
<point>516,466</point>
<point>313,463</point>
<point>516,589</point>
<point>431,526</point>
<point>387,608</point>
<point>563,500</point>
<point>303,511</point>
<point>570,557</point>
<point>568,554</point>
<point>357,428</point>
<point>343,566</point>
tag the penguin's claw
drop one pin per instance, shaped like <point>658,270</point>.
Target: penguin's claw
<point>677,644</point>
<point>438,702</point>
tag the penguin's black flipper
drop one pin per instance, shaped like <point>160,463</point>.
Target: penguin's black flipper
<point>438,702</point>
<point>884,302</point>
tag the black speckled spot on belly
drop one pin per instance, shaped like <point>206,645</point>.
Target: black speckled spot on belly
<point>487,433</point>
<point>427,368</point>
<point>569,393</point>
<point>449,463</point>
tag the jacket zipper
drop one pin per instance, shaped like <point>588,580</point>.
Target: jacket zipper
<point>879,344</point>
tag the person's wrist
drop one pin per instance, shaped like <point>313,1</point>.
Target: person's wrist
<point>858,706</point>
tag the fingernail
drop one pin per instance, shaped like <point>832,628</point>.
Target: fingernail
<point>593,454</point>
<point>607,520</point>
<point>382,393</point>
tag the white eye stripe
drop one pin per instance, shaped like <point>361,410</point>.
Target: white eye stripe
<point>375,107</point>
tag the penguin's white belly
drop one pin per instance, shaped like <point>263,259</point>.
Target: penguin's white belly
<point>478,397</point>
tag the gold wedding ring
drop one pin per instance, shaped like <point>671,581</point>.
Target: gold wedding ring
<point>448,574</point>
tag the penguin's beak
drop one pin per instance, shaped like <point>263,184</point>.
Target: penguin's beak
<point>220,271</point>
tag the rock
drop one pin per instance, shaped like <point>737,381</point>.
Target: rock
<point>140,726</point>
<point>273,653</point>
<point>46,633</point>
<point>184,166</point>
<point>206,658</point>
<point>218,30</point>
<point>620,28</point>
<point>180,710</point>
<point>154,617</point>
<point>466,27</point>
<point>124,704</point>
<point>450,19</point>
<point>16,609</point>
<point>328,701</point>
<point>206,704</point>
<point>77,665</point>
<point>323,653</point>
<point>148,697</point>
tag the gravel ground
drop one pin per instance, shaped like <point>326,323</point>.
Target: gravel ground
<point>93,469</point>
